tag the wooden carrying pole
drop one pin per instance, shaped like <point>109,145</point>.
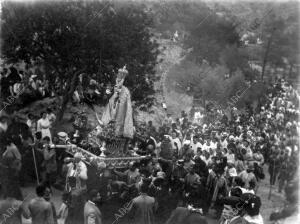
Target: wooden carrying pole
<point>35,167</point>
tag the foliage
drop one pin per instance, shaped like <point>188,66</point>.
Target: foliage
<point>207,82</point>
<point>212,34</point>
<point>265,19</point>
<point>177,15</point>
<point>91,36</point>
<point>283,24</point>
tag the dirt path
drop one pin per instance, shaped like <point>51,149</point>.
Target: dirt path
<point>172,54</point>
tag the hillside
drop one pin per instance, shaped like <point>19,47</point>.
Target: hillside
<point>175,101</point>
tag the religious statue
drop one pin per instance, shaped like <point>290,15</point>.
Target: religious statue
<point>118,111</point>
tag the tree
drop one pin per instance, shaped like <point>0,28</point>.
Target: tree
<point>206,82</point>
<point>280,35</point>
<point>170,16</point>
<point>86,36</point>
<point>210,36</point>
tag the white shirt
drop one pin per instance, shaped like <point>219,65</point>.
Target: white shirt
<point>257,219</point>
<point>206,147</point>
<point>224,144</point>
<point>195,146</point>
<point>29,123</point>
<point>3,127</point>
<point>230,158</point>
<point>177,142</point>
<point>213,145</point>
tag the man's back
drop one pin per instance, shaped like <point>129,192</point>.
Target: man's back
<point>143,208</point>
<point>40,211</point>
<point>183,215</point>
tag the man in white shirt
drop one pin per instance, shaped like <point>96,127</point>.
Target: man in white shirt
<point>78,169</point>
<point>213,144</point>
<point>206,146</point>
<point>223,141</point>
<point>175,141</point>
<point>195,144</point>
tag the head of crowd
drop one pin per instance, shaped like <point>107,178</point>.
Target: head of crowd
<point>209,168</point>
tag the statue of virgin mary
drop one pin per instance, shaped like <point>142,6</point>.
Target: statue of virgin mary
<point>119,108</point>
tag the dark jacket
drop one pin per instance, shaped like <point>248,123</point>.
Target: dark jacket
<point>142,210</point>
<point>183,216</point>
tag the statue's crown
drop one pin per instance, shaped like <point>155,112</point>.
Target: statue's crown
<point>122,72</point>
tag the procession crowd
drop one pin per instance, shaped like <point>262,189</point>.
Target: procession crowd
<point>190,170</point>
<point>23,86</point>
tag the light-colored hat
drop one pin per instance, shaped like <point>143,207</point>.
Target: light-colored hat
<point>78,155</point>
<point>224,134</point>
<point>232,172</point>
<point>93,82</point>
<point>161,175</point>
<point>62,135</point>
<point>102,165</point>
<point>186,142</point>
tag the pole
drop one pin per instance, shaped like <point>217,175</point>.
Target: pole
<point>270,190</point>
<point>35,167</point>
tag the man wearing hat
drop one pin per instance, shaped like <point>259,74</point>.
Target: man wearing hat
<point>251,205</point>
<point>195,144</point>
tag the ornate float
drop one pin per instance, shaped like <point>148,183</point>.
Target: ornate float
<point>108,142</point>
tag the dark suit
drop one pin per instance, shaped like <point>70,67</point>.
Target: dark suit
<point>40,211</point>
<point>92,214</point>
<point>143,146</point>
<point>142,210</point>
<point>183,216</point>
<point>76,203</point>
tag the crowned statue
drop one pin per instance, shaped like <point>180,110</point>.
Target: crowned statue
<point>118,111</point>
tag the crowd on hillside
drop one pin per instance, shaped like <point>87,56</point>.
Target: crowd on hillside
<point>19,86</point>
<point>190,171</point>
<point>28,84</point>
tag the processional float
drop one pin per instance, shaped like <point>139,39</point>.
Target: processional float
<point>115,128</point>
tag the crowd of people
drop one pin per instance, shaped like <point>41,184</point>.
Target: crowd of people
<point>190,170</point>
<point>23,86</point>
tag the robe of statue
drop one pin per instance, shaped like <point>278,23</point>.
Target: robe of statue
<point>120,112</point>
